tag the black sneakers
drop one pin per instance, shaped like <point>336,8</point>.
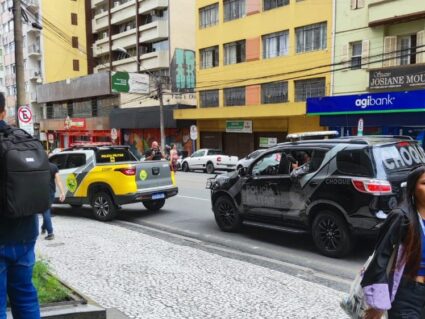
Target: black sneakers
<point>49,237</point>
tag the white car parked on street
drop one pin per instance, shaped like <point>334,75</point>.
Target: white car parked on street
<point>244,162</point>
<point>209,160</point>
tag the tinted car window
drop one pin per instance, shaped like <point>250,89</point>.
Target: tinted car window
<point>114,156</point>
<point>268,165</point>
<point>215,152</point>
<point>76,160</point>
<point>401,156</point>
<point>59,160</point>
<point>355,163</point>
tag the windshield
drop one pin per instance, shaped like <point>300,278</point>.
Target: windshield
<point>400,156</point>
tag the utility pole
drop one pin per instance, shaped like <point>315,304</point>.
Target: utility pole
<point>19,57</point>
<point>161,111</point>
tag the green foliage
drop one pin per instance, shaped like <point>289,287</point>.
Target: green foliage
<point>48,287</point>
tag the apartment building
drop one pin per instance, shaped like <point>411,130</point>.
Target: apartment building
<point>378,77</point>
<point>257,62</point>
<point>2,79</point>
<point>49,52</point>
<point>154,37</point>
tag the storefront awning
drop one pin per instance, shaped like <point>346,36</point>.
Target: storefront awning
<point>146,117</point>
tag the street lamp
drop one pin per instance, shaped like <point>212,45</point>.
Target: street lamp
<point>158,85</point>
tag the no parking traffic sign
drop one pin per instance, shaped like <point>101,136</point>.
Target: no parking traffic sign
<point>25,119</point>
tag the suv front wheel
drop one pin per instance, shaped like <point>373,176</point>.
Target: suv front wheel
<point>226,215</point>
<point>331,234</point>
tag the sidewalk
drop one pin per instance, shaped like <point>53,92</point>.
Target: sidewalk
<point>146,277</point>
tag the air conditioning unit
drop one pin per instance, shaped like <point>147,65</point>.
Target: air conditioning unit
<point>117,3</point>
<point>104,34</point>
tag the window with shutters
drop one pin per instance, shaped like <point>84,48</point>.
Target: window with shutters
<point>275,44</point>
<point>357,4</point>
<point>275,92</point>
<point>356,55</point>
<point>76,65</point>
<point>309,88</point>
<point>271,4</point>
<point>209,57</point>
<point>74,19</point>
<point>311,37</point>
<point>208,16</point>
<point>233,9</point>
<point>75,42</point>
<point>234,96</point>
<point>209,98</point>
<point>234,52</point>
<point>406,47</point>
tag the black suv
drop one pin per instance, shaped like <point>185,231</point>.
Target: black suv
<point>346,188</point>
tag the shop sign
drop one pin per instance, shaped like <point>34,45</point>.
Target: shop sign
<point>75,123</point>
<point>389,102</point>
<point>239,126</point>
<point>124,82</point>
<point>400,77</point>
<point>268,141</point>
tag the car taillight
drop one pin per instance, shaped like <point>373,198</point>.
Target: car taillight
<point>372,186</point>
<point>218,159</point>
<point>129,171</point>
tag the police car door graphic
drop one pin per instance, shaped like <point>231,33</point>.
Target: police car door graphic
<point>72,177</point>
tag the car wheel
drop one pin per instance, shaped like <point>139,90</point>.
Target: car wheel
<point>103,207</point>
<point>210,168</point>
<point>331,234</point>
<point>185,167</point>
<point>226,214</point>
<point>154,205</point>
<point>76,205</point>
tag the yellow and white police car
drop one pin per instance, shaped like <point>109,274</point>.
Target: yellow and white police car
<point>109,176</point>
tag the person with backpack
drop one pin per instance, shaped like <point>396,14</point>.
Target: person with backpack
<point>399,288</point>
<point>47,225</point>
<point>17,240</point>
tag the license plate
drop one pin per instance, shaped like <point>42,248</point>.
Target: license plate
<point>158,196</point>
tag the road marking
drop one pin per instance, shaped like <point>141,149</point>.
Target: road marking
<point>198,198</point>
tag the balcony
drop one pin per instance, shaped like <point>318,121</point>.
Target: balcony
<point>154,31</point>
<point>129,64</point>
<point>95,3</point>
<point>146,6</point>
<point>395,11</point>
<point>100,48</point>
<point>34,50</point>
<point>34,75</point>
<point>155,60</point>
<point>122,12</point>
<point>124,39</point>
<point>100,21</point>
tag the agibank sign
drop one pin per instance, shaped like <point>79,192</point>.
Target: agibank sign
<point>390,102</point>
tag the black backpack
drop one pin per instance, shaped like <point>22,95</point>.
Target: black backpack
<point>24,174</point>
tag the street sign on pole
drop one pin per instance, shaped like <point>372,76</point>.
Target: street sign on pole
<point>193,132</point>
<point>360,127</point>
<point>25,119</point>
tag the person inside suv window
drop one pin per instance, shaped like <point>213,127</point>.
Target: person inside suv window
<point>304,168</point>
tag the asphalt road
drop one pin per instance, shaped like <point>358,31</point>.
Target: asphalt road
<point>189,215</point>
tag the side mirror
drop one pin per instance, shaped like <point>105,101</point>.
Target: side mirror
<point>243,171</point>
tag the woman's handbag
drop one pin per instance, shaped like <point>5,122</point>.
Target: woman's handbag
<point>355,304</point>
